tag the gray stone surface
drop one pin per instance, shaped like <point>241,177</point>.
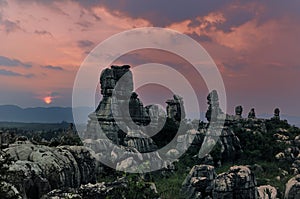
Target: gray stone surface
<point>199,182</point>
<point>292,188</point>
<point>238,182</point>
<point>38,169</point>
<point>214,111</point>
<point>110,116</point>
<point>267,192</point>
<point>175,108</point>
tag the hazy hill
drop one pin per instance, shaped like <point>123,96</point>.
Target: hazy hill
<point>12,113</point>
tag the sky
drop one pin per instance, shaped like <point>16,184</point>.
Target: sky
<point>255,45</point>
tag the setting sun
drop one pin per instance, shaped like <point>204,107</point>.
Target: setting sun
<point>48,100</point>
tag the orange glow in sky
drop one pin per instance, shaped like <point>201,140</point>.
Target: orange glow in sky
<point>48,100</point>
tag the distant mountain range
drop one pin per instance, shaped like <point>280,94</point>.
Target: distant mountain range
<point>12,113</point>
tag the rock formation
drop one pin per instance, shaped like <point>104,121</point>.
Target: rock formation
<point>175,108</point>
<point>38,169</point>
<point>199,183</point>
<point>267,192</point>
<point>121,188</point>
<point>238,112</point>
<point>214,111</point>
<point>292,188</point>
<point>251,114</point>
<point>238,182</point>
<point>276,114</point>
<point>119,99</point>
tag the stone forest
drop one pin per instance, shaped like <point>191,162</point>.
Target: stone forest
<point>253,158</point>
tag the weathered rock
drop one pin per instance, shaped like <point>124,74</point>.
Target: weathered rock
<point>28,179</point>
<point>276,114</point>
<point>137,139</point>
<point>292,188</point>
<point>214,111</point>
<point>111,119</point>
<point>39,169</point>
<point>62,194</point>
<point>8,191</point>
<point>230,145</point>
<point>117,189</point>
<point>267,192</point>
<point>200,182</point>
<point>238,112</point>
<point>175,108</point>
<point>238,182</point>
<point>251,114</point>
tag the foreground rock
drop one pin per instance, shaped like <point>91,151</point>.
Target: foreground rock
<point>117,189</point>
<point>238,182</point>
<point>267,192</point>
<point>199,182</point>
<point>292,188</point>
<point>39,169</point>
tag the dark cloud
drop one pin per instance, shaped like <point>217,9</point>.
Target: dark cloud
<point>5,61</point>
<point>58,68</point>
<point>160,13</point>
<point>163,12</point>
<point>10,26</point>
<point>235,66</point>
<point>84,24</point>
<point>235,18</point>
<point>43,32</point>
<point>4,72</point>
<point>201,38</point>
<point>85,44</point>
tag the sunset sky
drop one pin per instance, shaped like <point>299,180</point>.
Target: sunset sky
<point>255,44</point>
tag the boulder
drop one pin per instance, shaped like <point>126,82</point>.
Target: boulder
<point>199,182</point>
<point>238,182</point>
<point>292,188</point>
<point>267,192</point>
<point>9,191</point>
<point>38,169</point>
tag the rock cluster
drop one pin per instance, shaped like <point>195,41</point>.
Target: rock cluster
<point>117,189</point>
<point>37,169</point>
<point>200,182</point>
<point>239,182</point>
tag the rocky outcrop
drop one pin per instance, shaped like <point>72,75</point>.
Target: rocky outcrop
<point>214,111</point>
<point>8,191</point>
<point>238,112</point>
<point>110,116</point>
<point>238,182</point>
<point>175,108</point>
<point>276,114</point>
<point>38,169</point>
<point>267,192</point>
<point>251,114</point>
<point>199,183</point>
<point>117,189</point>
<point>230,145</point>
<point>292,188</point>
